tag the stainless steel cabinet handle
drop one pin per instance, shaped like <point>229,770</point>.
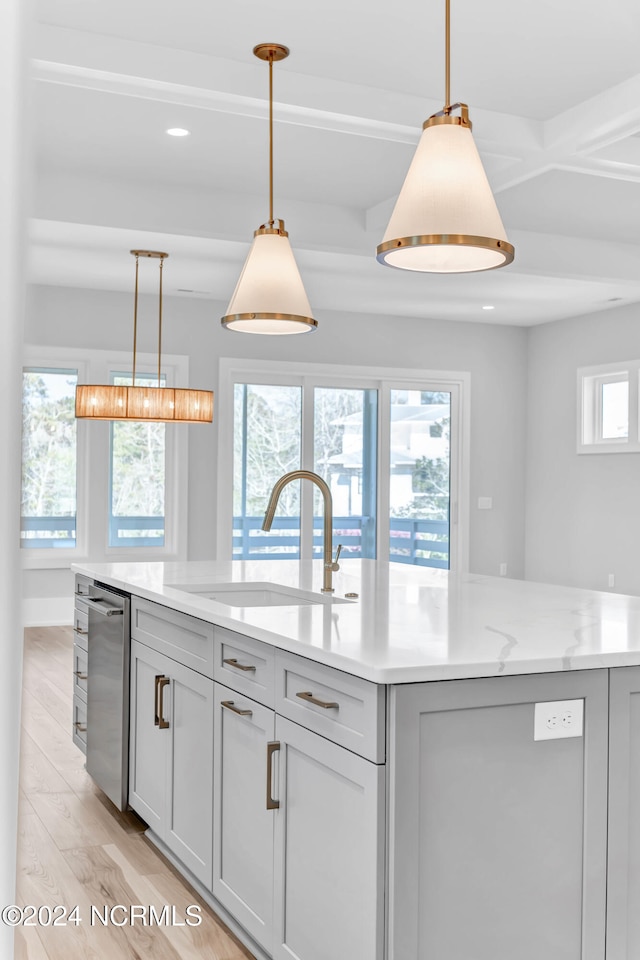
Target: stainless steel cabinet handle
<point>233,662</point>
<point>81,633</point>
<point>325,704</point>
<point>106,610</point>
<point>80,675</point>
<point>161,683</point>
<point>229,704</point>
<point>80,727</point>
<point>271,749</point>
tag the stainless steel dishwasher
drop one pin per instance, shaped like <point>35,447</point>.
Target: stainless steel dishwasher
<point>108,645</point>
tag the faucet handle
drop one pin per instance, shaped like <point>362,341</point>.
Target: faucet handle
<point>335,565</point>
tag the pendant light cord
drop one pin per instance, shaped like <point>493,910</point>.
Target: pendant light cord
<point>135,325</point>
<point>447,58</point>
<point>160,321</point>
<point>271,221</point>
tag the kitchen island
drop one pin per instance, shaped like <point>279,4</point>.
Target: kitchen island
<point>371,777</point>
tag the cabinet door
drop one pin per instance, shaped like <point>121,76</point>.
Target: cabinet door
<point>148,743</point>
<point>188,708</point>
<point>623,891</point>
<point>243,827</point>
<point>329,850</point>
<point>497,841</point>
<point>171,755</point>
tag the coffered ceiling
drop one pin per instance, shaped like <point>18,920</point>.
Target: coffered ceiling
<point>554,96</point>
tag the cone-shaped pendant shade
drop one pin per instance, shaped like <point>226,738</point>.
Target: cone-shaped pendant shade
<point>445,219</point>
<point>269,297</point>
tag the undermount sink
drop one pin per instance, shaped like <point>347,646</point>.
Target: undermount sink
<point>256,594</point>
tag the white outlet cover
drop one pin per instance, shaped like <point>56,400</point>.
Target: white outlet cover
<point>558,719</point>
<point>485,503</point>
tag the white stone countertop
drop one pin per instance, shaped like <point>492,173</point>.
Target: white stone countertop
<point>408,624</point>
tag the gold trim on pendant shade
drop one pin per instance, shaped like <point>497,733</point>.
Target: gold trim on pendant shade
<point>502,247</point>
<point>289,322</point>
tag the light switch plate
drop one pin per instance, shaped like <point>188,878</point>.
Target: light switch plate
<point>557,719</point>
<point>485,503</point>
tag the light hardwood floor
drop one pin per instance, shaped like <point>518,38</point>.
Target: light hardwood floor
<point>75,848</point>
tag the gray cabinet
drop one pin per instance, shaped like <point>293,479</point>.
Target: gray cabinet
<point>171,755</point>
<point>80,632</point>
<point>242,824</point>
<point>329,850</point>
<point>299,825</point>
<point>623,877</point>
<point>498,842</point>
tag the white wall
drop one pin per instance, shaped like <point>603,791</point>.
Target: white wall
<point>494,355</point>
<point>583,511</point>
<point>14,26</point>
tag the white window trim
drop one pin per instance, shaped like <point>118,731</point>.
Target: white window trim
<point>384,379</point>
<point>95,366</point>
<point>589,407</point>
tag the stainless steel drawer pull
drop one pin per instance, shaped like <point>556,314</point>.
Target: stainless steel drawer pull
<point>106,610</point>
<point>325,704</point>
<point>80,727</point>
<point>271,749</point>
<point>81,633</point>
<point>233,662</point>
<point>80,675</point>
<point>161,683</point>
<point>229,704</point>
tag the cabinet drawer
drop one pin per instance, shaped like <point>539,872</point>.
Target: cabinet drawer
<point>245,665</point>
<point>79,672</point>
<point>348,710</point>
<point>80,723</point>
<point>80,624</point>
<point>82,585</point>
<point>177,635</point>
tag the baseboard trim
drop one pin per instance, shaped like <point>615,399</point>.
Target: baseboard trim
<point>47,611</point>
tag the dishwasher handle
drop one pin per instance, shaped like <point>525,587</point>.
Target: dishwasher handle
<point>105,609</point>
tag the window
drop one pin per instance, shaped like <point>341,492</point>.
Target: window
<point>98,489</point>
<point>387,443</point>
<point>136,477</point>
<point>608,408</point>
<point>49,467</point>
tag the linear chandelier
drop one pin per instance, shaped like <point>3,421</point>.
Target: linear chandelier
<point>269,297</point>
<point>445,219</point>
<point>109,401</point>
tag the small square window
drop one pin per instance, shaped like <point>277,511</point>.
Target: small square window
<point>608,408</point>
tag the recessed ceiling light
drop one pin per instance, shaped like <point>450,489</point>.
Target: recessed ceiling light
<point>488,307</point>
<point>178,132</point>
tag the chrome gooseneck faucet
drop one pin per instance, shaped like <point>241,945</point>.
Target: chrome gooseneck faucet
<point>330,565</point>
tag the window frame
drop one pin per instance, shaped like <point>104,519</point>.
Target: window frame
<point>590,381</point>
<point>93,466</point>
<point>233,370</point>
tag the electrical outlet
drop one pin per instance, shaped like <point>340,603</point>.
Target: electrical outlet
<point>557,719</point>
<point>503,569</point>
<point>611,580</point>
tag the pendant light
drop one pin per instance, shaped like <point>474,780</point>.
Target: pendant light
<point>111,401</point>
<point>445,219</point>
<point>269,297</point>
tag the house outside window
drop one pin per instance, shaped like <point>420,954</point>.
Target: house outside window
<point>389,443</point>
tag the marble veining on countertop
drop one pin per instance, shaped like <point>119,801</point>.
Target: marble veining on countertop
<point>409,624</point>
